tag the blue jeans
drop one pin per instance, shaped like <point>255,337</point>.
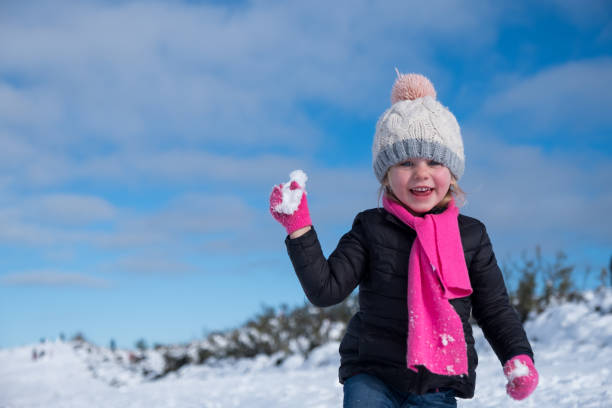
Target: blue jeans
<point>367,391</point>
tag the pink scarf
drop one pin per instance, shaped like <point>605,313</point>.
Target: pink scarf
<point>436,273</point>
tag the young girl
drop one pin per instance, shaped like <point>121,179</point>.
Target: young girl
<point>422,268</point>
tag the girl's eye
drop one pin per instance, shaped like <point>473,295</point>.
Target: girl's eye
<point>407,164</point>
<point>434,163</point>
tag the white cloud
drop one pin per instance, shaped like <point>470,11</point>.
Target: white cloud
<point>339,194</point>
<point>61,219</point>
<point>132,93</point>
<point>16,232</point>
<point>53,278</point>
<point>573,95</point>
<point>19,106</point>
<point>527,196</point>
<point>71,209</point>
<point>184,166</point>
<point>26,164</point>
<point>119,70</point>
<point>195,213</point>
<point>49,220</point>
<point>151,263</point>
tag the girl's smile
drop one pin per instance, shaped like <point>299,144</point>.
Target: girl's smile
<point>419,184</point>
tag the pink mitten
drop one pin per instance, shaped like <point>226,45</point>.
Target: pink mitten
<point>522,376</point>
<point>288,204</point>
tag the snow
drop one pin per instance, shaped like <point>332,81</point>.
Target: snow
<point>520,370</point>
<point>292,198</point>
<point>446,338</point>
<point>572,344</point>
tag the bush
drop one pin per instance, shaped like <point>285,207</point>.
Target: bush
<point>533,284</point>
<point>281,330</point>
<point>141,344</point>
<point>539,282</point>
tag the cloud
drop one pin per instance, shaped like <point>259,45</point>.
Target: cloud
<point>339,194</point>
<point>136,93</point>
<point>49,220</point>
<point>174,96</point>
<point>528,196</point>
<point>54,278</point>
<point>573,96</point>
<point>204,72</point>
<point>185,167</point>
<point>62,219</point>
<point>30,163</point>
<point>70,209</point>
<point>18,106</point>
<point>151,263</point>
<point>27,164</point>
<point>195,213</point>
<point>16,232</point>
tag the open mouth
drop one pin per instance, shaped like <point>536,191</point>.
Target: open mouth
<point>421,191</point>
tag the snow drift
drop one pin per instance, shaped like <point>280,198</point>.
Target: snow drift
<point>572,344</point>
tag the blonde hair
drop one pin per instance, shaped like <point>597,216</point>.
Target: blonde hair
<point>453,191</point>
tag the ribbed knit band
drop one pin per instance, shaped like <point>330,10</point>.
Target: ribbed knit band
<point>420,128</point>
<point>410,148</point>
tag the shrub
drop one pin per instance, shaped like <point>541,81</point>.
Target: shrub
<point>539,282</point>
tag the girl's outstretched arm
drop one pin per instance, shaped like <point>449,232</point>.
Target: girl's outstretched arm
<point>325,281</point>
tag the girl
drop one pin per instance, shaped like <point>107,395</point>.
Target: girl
<point>422,268</point>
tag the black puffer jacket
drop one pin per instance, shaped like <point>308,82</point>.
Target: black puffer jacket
<point>374,255</point>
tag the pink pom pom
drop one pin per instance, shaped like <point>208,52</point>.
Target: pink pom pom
<point>410,87</point>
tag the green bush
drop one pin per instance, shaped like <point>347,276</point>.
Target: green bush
<point>534,283</point>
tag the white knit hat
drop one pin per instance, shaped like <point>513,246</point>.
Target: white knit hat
<point>416,125</point>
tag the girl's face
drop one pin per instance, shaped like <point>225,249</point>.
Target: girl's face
<point>419,184</point>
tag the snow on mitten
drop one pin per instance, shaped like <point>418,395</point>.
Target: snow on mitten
<point>288,204</point>
<point>522,376</point>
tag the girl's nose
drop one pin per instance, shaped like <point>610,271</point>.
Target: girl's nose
<point>421,170</point>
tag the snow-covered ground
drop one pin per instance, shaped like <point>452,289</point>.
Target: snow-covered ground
<point>572,343</point>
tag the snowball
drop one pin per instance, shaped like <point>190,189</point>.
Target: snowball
<point>292,198</point>
<point>520,370</point>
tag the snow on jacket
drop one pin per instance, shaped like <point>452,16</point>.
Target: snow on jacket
<point>374,255</point>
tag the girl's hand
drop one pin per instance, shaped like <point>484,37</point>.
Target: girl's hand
<point>522,376</point>
<point>288,204</point>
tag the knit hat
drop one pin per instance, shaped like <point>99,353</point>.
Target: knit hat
<point>416,125</point>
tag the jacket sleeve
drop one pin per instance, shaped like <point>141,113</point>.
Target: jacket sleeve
<point>492,310</point>
<point>327,282</point>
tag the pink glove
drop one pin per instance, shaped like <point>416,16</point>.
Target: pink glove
<point>288,204</point>
<point>522,376</point>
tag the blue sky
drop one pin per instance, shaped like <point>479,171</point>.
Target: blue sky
<point>139,142</point>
